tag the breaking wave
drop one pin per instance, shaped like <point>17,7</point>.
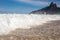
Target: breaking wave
<point>9,22</point>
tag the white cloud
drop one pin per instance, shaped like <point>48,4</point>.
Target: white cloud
<point>58,5</point>
<point>37,2</point>
<point>43,3</point>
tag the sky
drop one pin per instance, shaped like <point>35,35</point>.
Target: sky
<point>24,6</point>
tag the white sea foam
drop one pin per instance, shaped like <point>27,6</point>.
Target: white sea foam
<point>9,22</point>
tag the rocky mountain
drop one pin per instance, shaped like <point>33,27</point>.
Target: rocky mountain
<point>51,9</point>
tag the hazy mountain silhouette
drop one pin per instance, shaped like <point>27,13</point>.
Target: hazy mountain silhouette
<point>51,9</point>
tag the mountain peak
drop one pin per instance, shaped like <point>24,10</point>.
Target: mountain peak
<point>51,9</point>
<point>53,5</point>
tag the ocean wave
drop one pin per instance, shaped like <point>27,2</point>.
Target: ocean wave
<point>9,22</point>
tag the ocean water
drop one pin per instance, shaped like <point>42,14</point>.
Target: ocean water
<point>9,22</point>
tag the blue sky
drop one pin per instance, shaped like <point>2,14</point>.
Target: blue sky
<point>24,6</point>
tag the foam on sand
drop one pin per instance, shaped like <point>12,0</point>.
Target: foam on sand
<point>9,22</point>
